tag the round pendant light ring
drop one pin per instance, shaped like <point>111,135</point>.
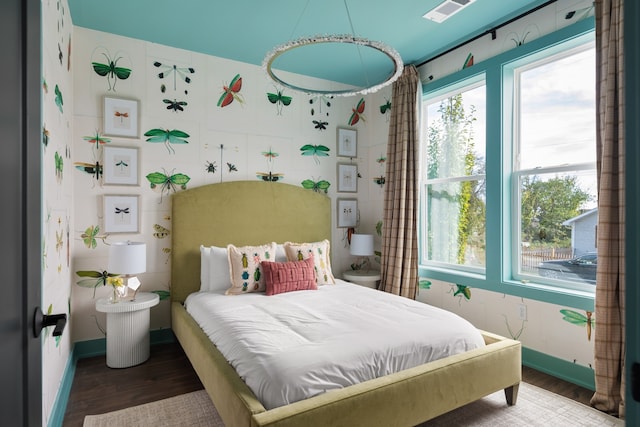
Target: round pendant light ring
<point>391,53</point>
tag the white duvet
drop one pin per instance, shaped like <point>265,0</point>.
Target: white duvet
<point>293,346</point>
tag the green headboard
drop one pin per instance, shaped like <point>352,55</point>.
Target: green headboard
<point>242,213</point>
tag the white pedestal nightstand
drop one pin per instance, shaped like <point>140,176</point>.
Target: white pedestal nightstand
<point>368,278</point>
<point>128,329</point>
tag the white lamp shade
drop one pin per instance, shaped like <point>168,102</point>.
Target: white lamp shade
<point>361,244</point>
<point>127,258</point>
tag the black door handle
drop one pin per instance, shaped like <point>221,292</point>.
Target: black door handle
<point>41,321</point>
<point>635,381</point>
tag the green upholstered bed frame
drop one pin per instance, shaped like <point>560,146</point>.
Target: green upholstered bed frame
<point>254,212</point>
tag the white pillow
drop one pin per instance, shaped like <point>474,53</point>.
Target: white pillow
<point>204,268</point>
<point>281,255</point>
<point>214,269</point>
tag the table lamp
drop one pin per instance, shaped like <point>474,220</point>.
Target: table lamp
<point>362,246</point>
<point>128,259</point>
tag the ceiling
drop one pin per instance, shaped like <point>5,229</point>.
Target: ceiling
<point>246,30</point>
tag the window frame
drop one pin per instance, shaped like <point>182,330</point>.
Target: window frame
<point>498,73</point>
<point>544,58</point>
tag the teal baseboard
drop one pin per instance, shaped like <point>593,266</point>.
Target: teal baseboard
<point>60,406</point>
<point>559,368</point>
<point>91,348</point>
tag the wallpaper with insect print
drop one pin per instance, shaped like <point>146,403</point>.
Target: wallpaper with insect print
<point>555,330</point>
<point>206,120</point>
<point>57,185</point>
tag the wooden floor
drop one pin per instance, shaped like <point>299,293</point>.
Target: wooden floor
<point>97,389</point>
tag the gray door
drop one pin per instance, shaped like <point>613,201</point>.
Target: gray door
<point>632,71</point>
<point>20,213</point>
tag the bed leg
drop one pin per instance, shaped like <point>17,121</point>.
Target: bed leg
<point>511,394</point>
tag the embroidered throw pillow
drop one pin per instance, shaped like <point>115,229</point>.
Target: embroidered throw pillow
<point>245,269</point>
<point>321,258</point>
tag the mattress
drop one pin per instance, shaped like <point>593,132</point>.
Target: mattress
<point>292,346</point>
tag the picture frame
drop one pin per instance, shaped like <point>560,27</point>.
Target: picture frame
<point>347,178</point>
<point>347,213</point>
<point>120,165</point>
<point>347,142</point>
<point>120,117</point>
<point>121,213</point>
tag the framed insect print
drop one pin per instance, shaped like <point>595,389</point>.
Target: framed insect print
<point>120,165</point>
<point>120,117</point>
<point>347,213</point>
<point>121,214</point>
<point>347,178</point>
<point>347,142</point>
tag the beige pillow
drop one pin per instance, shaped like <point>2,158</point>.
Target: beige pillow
<point>245,269</point>
<point>321,258</point>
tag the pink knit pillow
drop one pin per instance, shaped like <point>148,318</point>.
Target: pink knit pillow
<point>289,276</point>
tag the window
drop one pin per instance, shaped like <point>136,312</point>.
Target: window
<point>453,189</point>
<point>508,197</point>
<point>554,210</point>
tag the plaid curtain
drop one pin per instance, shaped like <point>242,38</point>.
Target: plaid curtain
<point>399,261</point>
<point>610,276</point>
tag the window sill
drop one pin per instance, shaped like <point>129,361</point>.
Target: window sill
<point>552,294</point>
<point>540,292</point>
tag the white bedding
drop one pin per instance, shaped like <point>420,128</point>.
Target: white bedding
<point>292,346</point>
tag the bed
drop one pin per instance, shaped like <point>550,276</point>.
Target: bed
<point>248,212</point>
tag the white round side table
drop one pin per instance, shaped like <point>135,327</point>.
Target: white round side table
<point>367,278</point>
<point>128,329</point>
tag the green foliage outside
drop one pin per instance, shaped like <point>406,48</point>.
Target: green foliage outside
<point>545,205</point>
<point>450,153</point>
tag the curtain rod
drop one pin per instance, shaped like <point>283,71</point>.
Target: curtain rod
<point>492,31</point>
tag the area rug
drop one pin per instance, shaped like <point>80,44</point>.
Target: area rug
<point>189,410</point>
<point>535,407</point>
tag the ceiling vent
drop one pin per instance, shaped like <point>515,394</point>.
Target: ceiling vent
<point>446,10</point>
